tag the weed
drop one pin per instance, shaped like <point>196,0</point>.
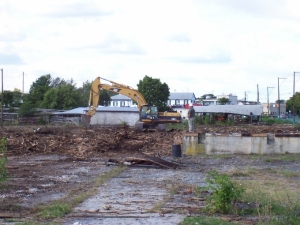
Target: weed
<point>288,173</point>
<point>206,120</point>
<point>199,190</point>
<point>204,221</point>
<point>56,210</point>
<point>178,126</point>
<point>124,124</point>
<point>224,192</point>
<point>3,160</point>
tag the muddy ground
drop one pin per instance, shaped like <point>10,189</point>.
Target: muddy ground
<point>47,163</point>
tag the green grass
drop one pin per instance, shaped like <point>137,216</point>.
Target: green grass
<point>3,160</point>
<point>203,220</point>
<point>56,210</point>
<point>178,126</point>
<point>282,157</point>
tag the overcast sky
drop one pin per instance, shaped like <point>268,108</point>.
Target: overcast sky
<point>201,46</point>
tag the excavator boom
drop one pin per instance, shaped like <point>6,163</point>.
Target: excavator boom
<point>153,118</point>
<point>113,87</point>
<point>93,102</point>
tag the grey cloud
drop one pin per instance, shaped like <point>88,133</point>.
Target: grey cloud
<point>9,59</point>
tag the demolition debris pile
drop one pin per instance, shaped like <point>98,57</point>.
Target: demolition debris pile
<point>83,143</point>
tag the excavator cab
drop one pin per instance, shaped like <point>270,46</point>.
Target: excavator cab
<point>148,112</point>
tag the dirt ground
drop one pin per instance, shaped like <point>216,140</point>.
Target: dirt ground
<point>45,163</point>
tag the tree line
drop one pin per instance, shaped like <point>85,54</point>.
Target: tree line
<point>60,94</point>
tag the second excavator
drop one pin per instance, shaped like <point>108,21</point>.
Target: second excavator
<point>149,117</point>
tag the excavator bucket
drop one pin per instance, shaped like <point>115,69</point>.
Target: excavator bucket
<point>86,120</point>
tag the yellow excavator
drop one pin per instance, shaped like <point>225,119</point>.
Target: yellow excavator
<point>149,117</point>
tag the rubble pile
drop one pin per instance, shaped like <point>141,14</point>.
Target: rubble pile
<point>83,143</point>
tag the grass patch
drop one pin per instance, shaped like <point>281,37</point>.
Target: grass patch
<point>217,156</point>
<point>178,126</point>
<point>56,210</point>
<point>3,160</point>
<point>273,195</point>
<point>204,221</point>
<point>288,173</point>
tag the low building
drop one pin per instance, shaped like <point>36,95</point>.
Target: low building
<point>181,98</point>
<point>122,101</point>
<point>253,110</point>
<point>105,116</point>
<point>176,99</point>
<point>215,101</point>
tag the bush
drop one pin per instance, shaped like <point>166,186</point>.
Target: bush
<point>224,192</point>
<point>3,160</point>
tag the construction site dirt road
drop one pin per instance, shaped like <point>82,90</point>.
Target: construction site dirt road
<point>48,164</point>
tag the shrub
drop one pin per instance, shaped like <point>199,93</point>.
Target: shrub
<point>224,192</point>
<point>3,160</point>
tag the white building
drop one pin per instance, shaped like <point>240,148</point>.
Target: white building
<point>214,101</point>
<point>122,101</point>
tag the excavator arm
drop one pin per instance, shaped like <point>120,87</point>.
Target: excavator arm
<point>113,87</point>
<point>135,95</point>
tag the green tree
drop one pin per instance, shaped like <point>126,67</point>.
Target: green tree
<point>294,102</point>
<point>223,101</point>
<point>27,108</point>
<point>38,89</point>
<point>208,96</point>
<point>154,92</point>
<point>63,96</point>
<point>84,94</point>
<point>17,98</point>
<point>56,82</point>
<point>104,97</point>
<point>8,98</point>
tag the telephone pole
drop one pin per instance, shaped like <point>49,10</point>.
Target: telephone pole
<point>268,100</point>
<point>23,85</point>
<point>279,97</point>
<point>294,96</point>
<point>2,99</point>
<point>257,95</point>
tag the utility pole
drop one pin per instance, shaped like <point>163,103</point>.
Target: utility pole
<point>2,99</point>
<point>294,97</point>
<point>279,97</point>
<point>268,99</point>
<point>257,95</point>
<point>23,85</point>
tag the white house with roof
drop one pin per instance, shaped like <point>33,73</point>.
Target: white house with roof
<point>175,98</point>
<point>214,101</point>
<point>181,98</point>
<point>121,101</point>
